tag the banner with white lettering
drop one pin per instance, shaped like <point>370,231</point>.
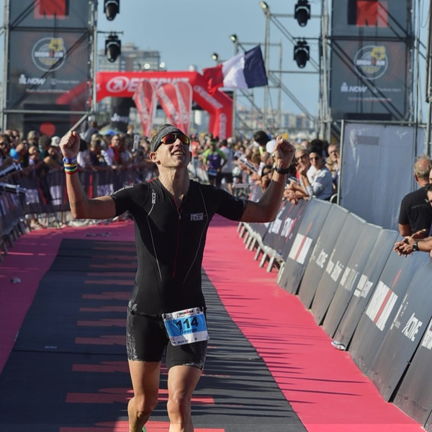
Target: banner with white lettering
<point>145,101</point>
<point>301,231</point>
<point>364,285</point>
<point>335,269</point>
<point>48,67</point>
<point>322,253</point>
<point>184,97</point>
<point>383,307</point>
<point>405,332</point>
<point>167,97</point>
<point>273,237</point>
<point>414,395</point>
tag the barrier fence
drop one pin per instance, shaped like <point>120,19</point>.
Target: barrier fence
<point>27,194</point>
<point>369,300</point>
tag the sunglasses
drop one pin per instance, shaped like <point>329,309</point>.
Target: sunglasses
<point>314,158</point>
<point>172,137</point>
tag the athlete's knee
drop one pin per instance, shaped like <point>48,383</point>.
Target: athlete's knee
<point>144,404</point>
<point>179,403</point>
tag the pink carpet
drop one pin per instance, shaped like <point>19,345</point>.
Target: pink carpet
<point>323,385</point>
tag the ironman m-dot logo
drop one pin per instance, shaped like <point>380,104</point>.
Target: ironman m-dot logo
<point>49,54</point>
<point>371,61</point>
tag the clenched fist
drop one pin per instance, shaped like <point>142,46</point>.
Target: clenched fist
<point>70,144</point>
<point>283,153</point>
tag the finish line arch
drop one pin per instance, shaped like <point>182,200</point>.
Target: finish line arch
<point>219,105</point>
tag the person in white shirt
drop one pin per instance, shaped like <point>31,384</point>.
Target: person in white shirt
<point>317,179</point>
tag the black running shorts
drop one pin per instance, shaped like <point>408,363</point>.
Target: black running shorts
<point>146,340</point>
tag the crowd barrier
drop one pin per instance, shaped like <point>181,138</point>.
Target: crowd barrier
<point>33,192</point>
<point>12,203</point>
<point>369,300</point>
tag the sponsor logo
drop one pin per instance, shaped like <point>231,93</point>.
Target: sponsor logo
<point>118,84</point>
<point>371,61</point>
<point>345,88</point>
<point>348,278</point>
<point>49,54</point>
<point>122,83</point>
<point>196,217</point>
<point>300,248</point>
<point>363,287</point>
<point>427,339</point>
<point>276,226</point>
<point>412,327</point>
<point>118,118</point>
<point>381,305</point>
<point>208,97</point>
<point>222,126</point>
<point>288,227</point>
<point>322,258</point>
<point>24,80</point>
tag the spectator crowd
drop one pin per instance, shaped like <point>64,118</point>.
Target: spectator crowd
<point>235,164</point>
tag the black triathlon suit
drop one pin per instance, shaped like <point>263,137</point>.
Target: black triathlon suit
<point>170,245</point>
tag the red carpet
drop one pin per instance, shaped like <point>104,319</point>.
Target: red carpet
<point>323,385</point>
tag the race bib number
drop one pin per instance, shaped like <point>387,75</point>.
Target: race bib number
<point>186,326</point>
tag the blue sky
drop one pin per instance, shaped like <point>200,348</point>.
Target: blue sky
<point>187,32</point>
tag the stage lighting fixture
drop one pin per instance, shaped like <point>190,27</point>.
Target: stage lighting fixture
<point>302,12</point>
<point>112,48</point>
<point>301,53</point>
<point>111,8</point>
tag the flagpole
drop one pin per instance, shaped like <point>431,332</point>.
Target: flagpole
<point>266,61</point>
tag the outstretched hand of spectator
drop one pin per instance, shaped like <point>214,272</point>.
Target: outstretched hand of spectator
<point>283,153</point>
<point>403,247</point>
<point>70,144</point>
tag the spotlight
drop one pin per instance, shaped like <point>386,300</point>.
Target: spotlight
<point>264,6</point>
<point>302,12</point>
<point>301,53</point>
<point>111,8</point>
<point>112,48</point>
<point>215,57</point>
<point>234,38</point>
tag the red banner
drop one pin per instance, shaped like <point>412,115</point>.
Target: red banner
<point>218,105</point>
<point>184,96</point>
<point>168,100</point>
<point>145,101</point>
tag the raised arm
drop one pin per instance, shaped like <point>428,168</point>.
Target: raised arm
<point>81,206</point>
<point>266,209</point>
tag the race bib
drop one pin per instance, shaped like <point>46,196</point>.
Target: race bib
<point>186,326</point>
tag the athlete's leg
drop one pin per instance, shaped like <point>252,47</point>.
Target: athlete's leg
<point>145,383</point>
<point>182,381</point>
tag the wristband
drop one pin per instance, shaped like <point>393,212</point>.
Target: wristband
<point>282,170</point>
<point>415,246</point>
<point>70,168</point>
<point>70,160</point>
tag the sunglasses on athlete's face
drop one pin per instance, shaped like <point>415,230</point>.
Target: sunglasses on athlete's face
<point>172,137</point>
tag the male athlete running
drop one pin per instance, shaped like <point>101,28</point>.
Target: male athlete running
<point>167,307</point>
